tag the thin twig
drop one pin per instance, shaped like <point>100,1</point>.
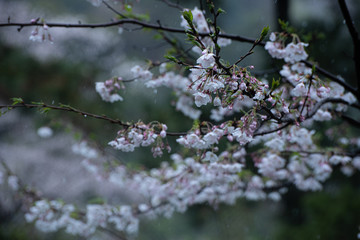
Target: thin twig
<point>85,114</point>
<point>113,9</point>
<point>174,5</point>
<point>273,130</point>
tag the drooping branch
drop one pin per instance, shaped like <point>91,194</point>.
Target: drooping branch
<point>83,113</point>
<point>174,5</point>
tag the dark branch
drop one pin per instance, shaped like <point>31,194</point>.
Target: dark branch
<point>85,114</point>
<point>356,41</point>
<point>175,30</point>
<point>114,10</point>
<point>331,77</point>
<point>351,120</point>
<point>273,130</point>
<point>174,5</point>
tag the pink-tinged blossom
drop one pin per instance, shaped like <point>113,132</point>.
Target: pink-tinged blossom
<point>323,92</point>
<point>276,144</point>
<point>41,34</point>
<point>336,159</point>
<point>275,50</point>
<point>201,26</point>
<point>259,96</point>
<point>217,101</point>
<point>212,85</point>
<point>170,80</point>
<point>157,152</point>
<point>210,157</point>
<point>107,93</point>
<point>141,74</point>
<point>254,190</point>
<point>349,97</point>
<point>336,90</point>
<point>271,165</point>
<point>295,52</point>
<point>309,184</point>
<point>206,60</point>
<point>50,216</point>
<point>301,68</point>
<point>301,136</point>
<point>211,138</point>
<point>299,91</point>
<point>241,136</point>
<point>201,99</point>
<point>192,141</point>
<point>322,115</point>
<point>292,53</point>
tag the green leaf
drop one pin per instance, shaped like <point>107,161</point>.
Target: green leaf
<point>128,8</point>
<point>211,7</point>
<point>264,32</point>
<point>158,37</point>
<point>220,10</point>
<point>284,25</point>
<point>75,215</point>
<point>171,58</point>
<point>275,84</point>
<point>17,100</point>
<point>313,69</point>
<point>187,14</point>
<point>38,103</point>
<point>45,110</point>
<point>97,200</point>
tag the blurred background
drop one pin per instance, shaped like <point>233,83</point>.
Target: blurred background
<point>66,72</point>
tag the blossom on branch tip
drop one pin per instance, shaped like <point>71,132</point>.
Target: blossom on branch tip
<point>107,91</point>
<point>201,99</point>
<point>206,60</point>
<point>41,34</point>
<point>300,90</point>
<point>141,74</point>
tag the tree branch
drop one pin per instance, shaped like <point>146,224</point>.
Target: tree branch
<point>85,114</point>
<point>331,77</point>
<point>351,120</point>
<point>356,41</point>
<point>174,5</point>
<point>175,30</point>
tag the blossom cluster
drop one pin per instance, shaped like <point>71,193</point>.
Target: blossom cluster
<point>202,26</point>
<point>50,216</point>
<point>108,90</point>
<point>291,53</point>
<point>242,134</point>
<point>41,34</point>
<point>143,135</point>
<point>276,121</point>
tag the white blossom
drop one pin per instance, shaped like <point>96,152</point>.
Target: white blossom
<point>45,132</point>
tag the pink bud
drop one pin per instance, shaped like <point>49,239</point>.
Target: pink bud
<point>163,133</point>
